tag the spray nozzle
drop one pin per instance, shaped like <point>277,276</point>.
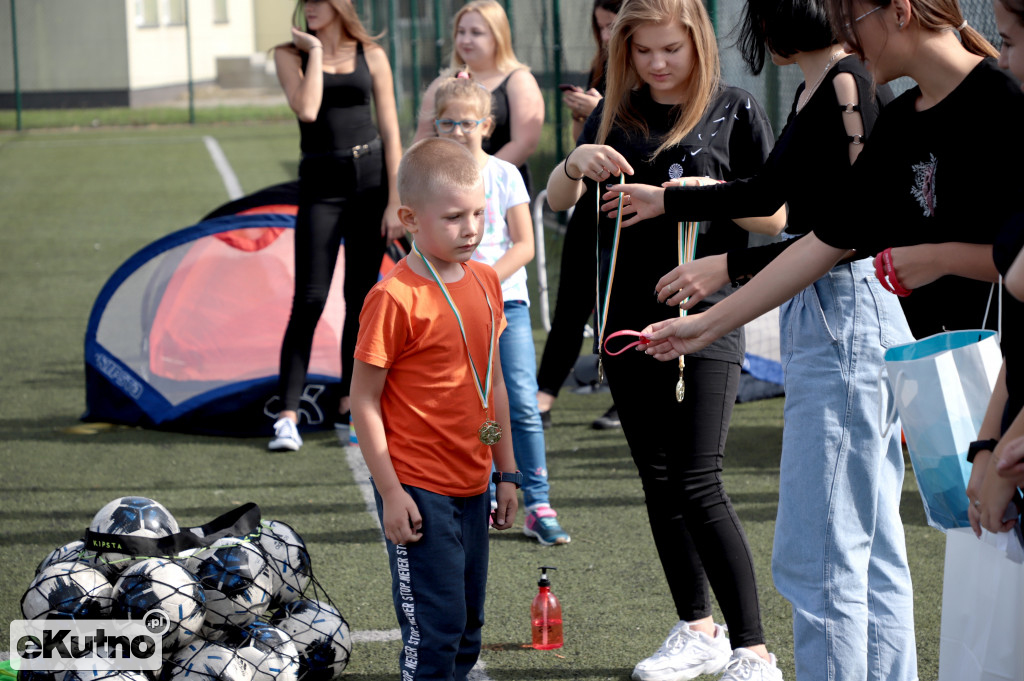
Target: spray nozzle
<point>544,581</point>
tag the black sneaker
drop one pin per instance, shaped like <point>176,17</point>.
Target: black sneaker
<point>609,421</point>
<point>545,419</point>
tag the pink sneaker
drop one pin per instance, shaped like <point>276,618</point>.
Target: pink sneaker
<point>542,524</point>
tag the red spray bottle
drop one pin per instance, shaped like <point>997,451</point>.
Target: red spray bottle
<point>546,615</point>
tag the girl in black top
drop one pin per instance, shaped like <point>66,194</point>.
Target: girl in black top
<point>347,185</point>
<point>941,175</point>
<point>582,102</point>
<point>666,115</point>
<point>482,45</point>
<point>839,545</point>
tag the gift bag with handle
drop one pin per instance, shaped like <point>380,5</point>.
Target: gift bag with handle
<point>940,387</point>
<point>982,613</point>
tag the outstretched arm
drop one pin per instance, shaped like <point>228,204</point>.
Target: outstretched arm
<point>797,267</point>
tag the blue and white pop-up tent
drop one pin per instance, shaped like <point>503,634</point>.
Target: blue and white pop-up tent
<point>186,334</point>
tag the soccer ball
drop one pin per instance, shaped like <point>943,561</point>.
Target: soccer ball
<point>134,516</point>
<point>321,636</point>
<point>206,661</point>
<point>161,584</point>
<point>237,581</point>
<point>67,591</point>
<point>74,552</point>
<point>269,650</point>
<point>289,560</point>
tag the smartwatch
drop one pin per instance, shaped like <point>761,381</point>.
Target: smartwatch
<point>515,478</point>
<point>980,446</point>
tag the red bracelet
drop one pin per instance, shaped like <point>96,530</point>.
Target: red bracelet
<point>885,272</point>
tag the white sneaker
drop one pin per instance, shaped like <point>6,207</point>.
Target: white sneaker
<point>685,654</point>
<point>746,665</point>
<point>286,436</point>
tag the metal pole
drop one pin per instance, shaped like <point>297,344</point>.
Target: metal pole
<point>556,24</point>
<point>17,80</point>
<point>393,41</point>
<point>188,55</point>
<point>438,35</point>
<point>508,12</point>
<point>414,54</point>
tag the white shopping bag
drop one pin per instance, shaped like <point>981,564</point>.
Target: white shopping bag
<point>982,608</point>
<point>940,387</point>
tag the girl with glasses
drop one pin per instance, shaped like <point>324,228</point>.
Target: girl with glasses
<point>665,114</point>
<point>347,185</point>
<point>462,112</point>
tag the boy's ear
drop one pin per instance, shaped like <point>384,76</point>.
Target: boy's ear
<point>488,127</point>
<point>407,216</point>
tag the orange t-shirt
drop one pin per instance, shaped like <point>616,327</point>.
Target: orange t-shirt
<point>430,404</point>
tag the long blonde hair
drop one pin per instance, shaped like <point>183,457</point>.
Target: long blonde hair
<point>623,77</point>
<point>497,21</point>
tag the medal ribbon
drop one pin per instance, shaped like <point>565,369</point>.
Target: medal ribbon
<point>601,310</point>
<point>482,390</point>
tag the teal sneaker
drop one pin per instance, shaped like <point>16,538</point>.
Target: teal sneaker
<point>542,524</point>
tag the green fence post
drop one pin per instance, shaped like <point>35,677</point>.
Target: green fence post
<point>17,78</point>
<point>712,6</point>
<point>438,35</point>
<point>556,24</point>
<point>508,13</point>
<point>414,39</point>
<point>393,42</point>
<point>188,55</point>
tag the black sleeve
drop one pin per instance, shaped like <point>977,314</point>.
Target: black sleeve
<point>744,263</point>
<point>755,196</point>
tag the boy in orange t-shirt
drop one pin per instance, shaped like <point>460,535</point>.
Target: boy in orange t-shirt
<point>428,418</point>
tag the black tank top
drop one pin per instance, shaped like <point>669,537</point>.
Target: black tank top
<point>502,133</point>
<point>344,119</point>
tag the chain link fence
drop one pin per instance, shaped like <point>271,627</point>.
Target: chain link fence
<point>554,38</point>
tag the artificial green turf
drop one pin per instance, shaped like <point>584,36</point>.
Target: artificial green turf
<point>77,204</point>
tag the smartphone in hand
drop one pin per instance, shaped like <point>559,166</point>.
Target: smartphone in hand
<point>567,87</point>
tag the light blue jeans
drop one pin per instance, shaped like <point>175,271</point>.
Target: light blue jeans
<point>519,366</point>
<point>839,555</point>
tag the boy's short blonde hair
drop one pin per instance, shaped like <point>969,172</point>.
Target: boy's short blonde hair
<point>432,166</point>
<point>464,90</point>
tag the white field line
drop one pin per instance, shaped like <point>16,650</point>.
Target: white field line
<point>220,161</point>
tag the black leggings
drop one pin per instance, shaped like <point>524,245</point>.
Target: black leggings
<point>573,305</point>
<point>338,198</point>
<point>678,450</point>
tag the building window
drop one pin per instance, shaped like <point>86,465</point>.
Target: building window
<point>147,13</point>
<point>220,11</point>
<point>175,12</point>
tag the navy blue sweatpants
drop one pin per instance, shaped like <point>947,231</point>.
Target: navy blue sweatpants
<point>438,585</point>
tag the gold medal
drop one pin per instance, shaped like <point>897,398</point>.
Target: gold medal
<point>680,389</point>
<point>489,433</point>
<point>600,371</point>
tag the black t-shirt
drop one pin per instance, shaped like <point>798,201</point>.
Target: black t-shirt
<point>731,141</point>
<point>950,173</point>
<point>344,120</point>
<point>811,154</point>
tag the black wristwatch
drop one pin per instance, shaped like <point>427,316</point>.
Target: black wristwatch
<point>515,478</point>
<point>980,446</point>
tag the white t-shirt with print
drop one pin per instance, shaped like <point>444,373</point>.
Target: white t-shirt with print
<point>505,188</point>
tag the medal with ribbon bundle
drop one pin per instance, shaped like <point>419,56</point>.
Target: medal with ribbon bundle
<point>490,432</point>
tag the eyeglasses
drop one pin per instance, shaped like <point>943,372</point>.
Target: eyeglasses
<point>447,125</point>
<point>847,28</point>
